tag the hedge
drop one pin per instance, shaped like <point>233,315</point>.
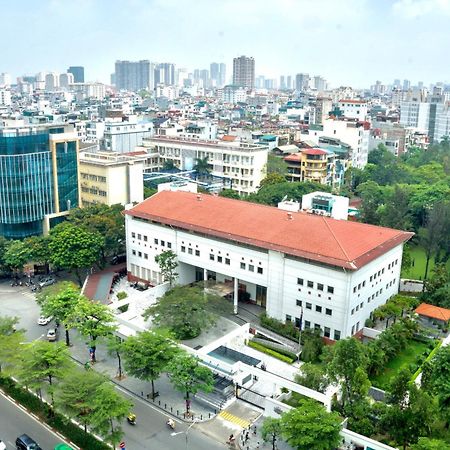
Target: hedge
<point>270,352</point>
<point>287,353</point>
<point>57,421</point>
<point>285,329</point>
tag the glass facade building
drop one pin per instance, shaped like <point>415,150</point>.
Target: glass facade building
<point>38,177</point>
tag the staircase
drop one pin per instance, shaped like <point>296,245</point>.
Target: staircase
<point>222,392</point>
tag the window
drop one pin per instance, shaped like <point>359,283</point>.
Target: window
<point>354,289</point>
<point>298,302</point>
<point>353,330</point>
<point>190,250</point>
<point>211,258</point>
<point>363,283</point>
<point>300,281</point>
<point>307,324</point>
<point>133,235</point>
<point>169,244</point>
<point>357,308</point>
<point>140,254</point>
<point>318,308</point>
<point>242,264</point>
<point>337,335</point>
<point>320,286</point>
<point>260,270</point>
<point>288,318</point>
<point>163,243</point>
<point>359,286</point>
<point>251,268</point>
<point>183,249</point>
<point>308,305</point>
<point>361,305</point>
<point>227,261</point>
<point>298,324</point>
<point>310,284</point>
<point>145,238</point>
<point>357,326</point>
<point>155,241</point>
<point>326,332</point>
<point>139,236</point>
<point>328,312</point>
<point>353,311</point>
<point>219,259</point>
<point>317,326</point>
<point>145,256</point>
<point>330,289</point>
<point>134,252</point>
<point>197,252</point>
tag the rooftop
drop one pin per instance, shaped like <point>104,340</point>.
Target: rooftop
<point>338,243</point>
<point>434,312</point>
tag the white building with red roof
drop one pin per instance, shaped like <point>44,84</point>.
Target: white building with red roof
<point>313,270</point>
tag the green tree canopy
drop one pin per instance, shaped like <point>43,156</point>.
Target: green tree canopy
<point>313,376</point>
<point>271,430</point>
<point>74,248</point>
<point>167,262</point>
<point>10,341</point>
<point>276,164</point>
<point>310,426</point>
<point>430,444</point>
<point>17,254</point>
<point>147,355</point>
<point>189,376</point>
<point>186,311</point>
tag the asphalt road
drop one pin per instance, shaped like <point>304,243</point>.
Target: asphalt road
<point>14,422</point>
<point>150,432</point>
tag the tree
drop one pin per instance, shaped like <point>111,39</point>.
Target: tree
<point>311,426</point>
<point>276,164</point>
<point>109,409</point>
<point>201,166</point>
<point>147,355</point>
<point>74,395</point>
<point>44,362</point>
<point>430,444</point>
<point>313,377</point>
<point>347,364</point>
<point>148,191</point>
<point>3,246</point>
<point>38,249</point>
<point>169,166</point>
<point>74,248</point>
<point>115,348</point>
<point>59,301</point>
<point>271,429</point>
<point>372,197</point>
<point>10,340</point>
<point>229,193</point>
<point>186,311</point>
<point>168,264</point>
<point>273,178</point>
<point>396,212</point>
<point>93,320</point>
<point>312,345</point>
<point>17,255</point>
<point>189,377</point>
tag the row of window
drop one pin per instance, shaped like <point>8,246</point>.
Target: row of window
<point>318,308</point>
<point>310,284</point>
<point>306,325</point>
<point>94,191</point>
<point>88,176</point>
<point>144,238</point>
<point>374,276</point>
<point>140,254</point>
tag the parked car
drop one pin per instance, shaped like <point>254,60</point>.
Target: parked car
<point>117,259</point>
<point>44,320</point>
<point>24,442</point>
<point>2,445</point>
<point>52,334</point>
<point>47,281</point>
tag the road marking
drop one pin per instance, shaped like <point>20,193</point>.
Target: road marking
<point>36,420</point>
<point>234,419</point>
<point>134,396</point>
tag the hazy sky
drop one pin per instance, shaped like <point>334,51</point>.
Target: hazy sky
<point>351,42</point>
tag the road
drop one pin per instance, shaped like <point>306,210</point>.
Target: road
<point>151,431</point>
<point>14,422</point>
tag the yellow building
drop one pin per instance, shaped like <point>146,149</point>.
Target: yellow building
<point>111,178</point>
<point>312,164</point>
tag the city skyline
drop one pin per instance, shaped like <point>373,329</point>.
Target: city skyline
<point>352,42</point>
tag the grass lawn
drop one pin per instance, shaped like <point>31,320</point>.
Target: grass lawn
<point>405,358</point>
<point>417,271</point>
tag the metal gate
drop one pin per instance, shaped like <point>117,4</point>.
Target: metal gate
<point>250,396</point>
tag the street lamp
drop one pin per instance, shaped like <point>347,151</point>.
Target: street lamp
<point>186,432</point>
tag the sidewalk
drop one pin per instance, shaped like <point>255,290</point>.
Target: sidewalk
<point>169,399</point>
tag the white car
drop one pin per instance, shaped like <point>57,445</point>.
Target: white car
<point>2,445</point>
<point>43,320</point>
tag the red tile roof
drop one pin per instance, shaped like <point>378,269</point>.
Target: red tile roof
<point>435,312</point>
<point>296,157</point>
<point>335,242</point>
<point>314,151</point>
<point>229,138</point>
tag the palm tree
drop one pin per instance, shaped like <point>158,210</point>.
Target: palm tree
<point>169,166</point>
<point>202,166</point>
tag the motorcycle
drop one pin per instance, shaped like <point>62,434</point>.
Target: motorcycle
<point>171,424</point>
<point>131,419</point>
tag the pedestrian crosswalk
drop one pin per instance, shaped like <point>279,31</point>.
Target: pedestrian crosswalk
<point>234,419</point>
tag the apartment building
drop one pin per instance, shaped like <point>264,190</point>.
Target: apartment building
<point>111,178</point>
<point>354,109</point>
<point>242,163</point>
<point>124,137</point>
<point>313,270</point>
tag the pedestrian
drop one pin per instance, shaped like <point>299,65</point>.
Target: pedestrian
<point>254,430</point>
<point>247,437</point>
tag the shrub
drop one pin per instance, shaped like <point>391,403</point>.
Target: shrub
<point>369,323</point>
<point>270,352</point>
<point>123,308</point>
<point>287,329</point>
<point>122,295</point>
